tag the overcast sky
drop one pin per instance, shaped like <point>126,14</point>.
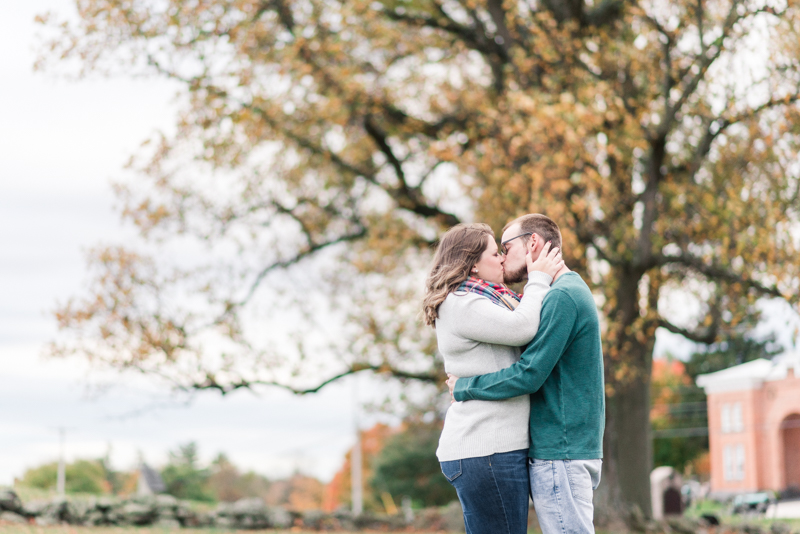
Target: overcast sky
<point>61,145</point>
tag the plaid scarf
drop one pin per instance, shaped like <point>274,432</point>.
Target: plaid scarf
<point>499,294</point>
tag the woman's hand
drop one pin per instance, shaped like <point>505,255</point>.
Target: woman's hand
<point>549,261</point>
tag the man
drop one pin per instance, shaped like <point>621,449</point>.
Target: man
<point>562,370</point>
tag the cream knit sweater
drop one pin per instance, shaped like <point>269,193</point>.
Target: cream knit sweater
<point>476,337</point>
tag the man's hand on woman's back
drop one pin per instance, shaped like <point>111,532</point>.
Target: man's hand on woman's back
<point>451,383</point>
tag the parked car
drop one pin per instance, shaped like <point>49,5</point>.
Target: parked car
<point>752,503</point>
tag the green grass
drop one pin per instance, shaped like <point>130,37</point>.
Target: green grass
<point>763,524</point>
<point>723,512</point>
<point>25,529</point>
<point>707,507</point>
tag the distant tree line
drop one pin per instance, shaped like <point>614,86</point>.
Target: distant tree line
<point>398,463</point>
<point>184,477</point>
<point>82,476</point>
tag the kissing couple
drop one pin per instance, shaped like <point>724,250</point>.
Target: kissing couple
<point>526,376</point>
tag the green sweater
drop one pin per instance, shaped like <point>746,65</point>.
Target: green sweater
<point>562,370</point>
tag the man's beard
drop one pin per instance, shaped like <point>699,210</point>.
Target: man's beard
<point>514,277</point>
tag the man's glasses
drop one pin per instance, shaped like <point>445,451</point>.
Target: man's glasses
<point>504,244</point>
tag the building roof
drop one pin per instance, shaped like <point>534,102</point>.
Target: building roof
<point>750,375</point>
<point>152,478</point>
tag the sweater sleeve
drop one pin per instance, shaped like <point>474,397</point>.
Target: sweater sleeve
<point>484,321</point>
<point>559,314</point>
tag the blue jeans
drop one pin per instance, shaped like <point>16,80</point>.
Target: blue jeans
<point>493,491</point>
<point>562,492</point>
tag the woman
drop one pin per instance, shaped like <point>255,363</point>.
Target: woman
<point>480,324</point>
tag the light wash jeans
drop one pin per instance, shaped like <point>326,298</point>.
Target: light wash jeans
<point>562,493</point>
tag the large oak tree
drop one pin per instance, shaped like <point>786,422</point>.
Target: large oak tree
<point>323,145</point>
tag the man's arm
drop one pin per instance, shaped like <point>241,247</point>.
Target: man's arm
<point>529,373</point>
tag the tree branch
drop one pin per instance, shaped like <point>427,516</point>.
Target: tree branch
<point>211,382</point>
<point>284,13</point>
<point>714,127</point>
<point>446,25</point>
<point>476,37</point>
<point>705,61</point>
<point>399,116</point>
<point>313,247</point>
<point>380,139</point>
<point>564,11</point>
<point>498,14</point>
<point>769,104</point>
<point>605,12</point>
<point>699,12</point>
<point>407,197</point>
<point>707,337</point>
<point>715,272</point>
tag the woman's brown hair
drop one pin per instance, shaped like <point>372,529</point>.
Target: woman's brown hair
<point>459,250</point>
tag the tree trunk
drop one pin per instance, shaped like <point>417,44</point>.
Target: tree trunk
<point>627,443</point>
<point>627,453</point>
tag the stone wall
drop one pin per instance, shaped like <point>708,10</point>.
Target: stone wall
<point>166,511</point>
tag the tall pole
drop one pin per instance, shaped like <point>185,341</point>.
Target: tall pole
<point>60,483</point>
<point>356,462</point>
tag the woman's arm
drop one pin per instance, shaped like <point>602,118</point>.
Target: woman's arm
<point>481,320</point>
<point>478,318</point>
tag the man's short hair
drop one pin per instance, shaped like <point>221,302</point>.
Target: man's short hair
<point>536,223</point>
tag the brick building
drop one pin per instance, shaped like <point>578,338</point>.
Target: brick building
<point>754,425</point>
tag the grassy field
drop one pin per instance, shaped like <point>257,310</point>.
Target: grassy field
<point>32,529</point>
<point>25,529</point>
<point>720,510</point>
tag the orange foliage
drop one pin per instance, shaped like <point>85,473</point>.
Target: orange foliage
<point>338,492</point>
<point>666,376</point>
<point>130,484</point>
<point>299,493</point>
<point>701,466</point>
<point>663,367</point>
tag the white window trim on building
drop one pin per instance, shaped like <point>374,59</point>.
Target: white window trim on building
<point>726,418</point>
<point>737,423</point>
<point>733,462</point>
<point>732,421</point>
<point>739,471</point>
<point>727,462</point>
